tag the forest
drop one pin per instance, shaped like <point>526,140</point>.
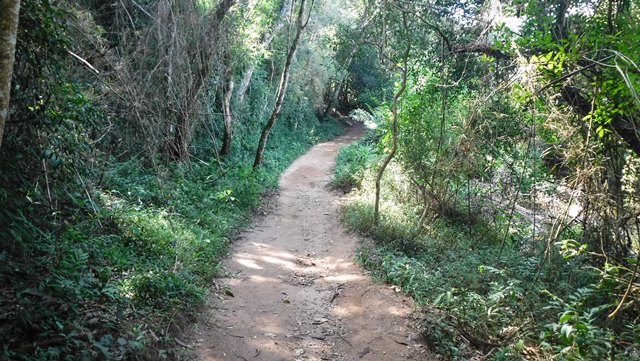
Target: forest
<point>498,182</point>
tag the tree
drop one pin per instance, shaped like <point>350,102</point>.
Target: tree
<point>8,30</point>
<point>178,146</point>
<point>227,114</point>
<point>354,46</point>
<point>404,69</point>
<point>266,41</point>
<point>284,81</point>
<point>228,81</point>
<point>178,46</point>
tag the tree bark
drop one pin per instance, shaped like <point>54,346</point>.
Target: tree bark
<point>282,87</point>
<point>227,92</point>
<point>486,49</point>
<point>248,73</point>
<point>560,25</point>
<point>333,100</point>
<point>10,10</point>
<point>362,29</point>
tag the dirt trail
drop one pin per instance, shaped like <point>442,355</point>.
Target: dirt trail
<point>295,292</point>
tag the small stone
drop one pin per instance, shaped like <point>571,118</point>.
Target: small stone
<point>319,321</point>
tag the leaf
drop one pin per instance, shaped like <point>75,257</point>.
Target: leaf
<point>567,316</point>
<point>103,349</point>
<point>567,331</point>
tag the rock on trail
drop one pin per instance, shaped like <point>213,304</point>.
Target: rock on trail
<point>294,292</point>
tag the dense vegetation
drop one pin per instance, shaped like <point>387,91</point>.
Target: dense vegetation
<point>114,211</point>
<point>501,188</point>
<point>499,182</point>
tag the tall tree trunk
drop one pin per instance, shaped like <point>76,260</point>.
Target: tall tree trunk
<point>394,109</point>
<point>227,92</point>
<point>282,87</point>
<point>10,10</point>
<point>248,73</point>
<point>560,25</point>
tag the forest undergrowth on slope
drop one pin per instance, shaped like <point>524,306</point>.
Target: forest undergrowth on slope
<point>483,286</point>
<point>501,192</point>
<point>111,236</point>
<point>511,221</point>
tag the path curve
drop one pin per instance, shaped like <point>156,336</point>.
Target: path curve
<point>294,292</point>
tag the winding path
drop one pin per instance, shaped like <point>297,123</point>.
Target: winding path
<point>294,292</point>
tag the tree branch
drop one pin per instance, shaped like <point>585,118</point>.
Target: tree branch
<point>483,49</point>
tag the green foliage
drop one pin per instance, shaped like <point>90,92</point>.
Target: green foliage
<point>368,80</point>
<point>105,240</point>
<point>105,256</point>
<point>146,246</point>
<point>577,334</point>
<point>352,163</point>
<point>467,277</point>
<point>473,216</point>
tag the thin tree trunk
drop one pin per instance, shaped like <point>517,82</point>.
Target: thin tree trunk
<point>246,80</point>
<point>282,87</point>
<point>248,74</point>
<point>227,93</point>
<point>560,26</point>
<point>362,29</point>
<point>205,53</point>
<point>10,10</point>
<point>333,101</point>
<point>394,146</point>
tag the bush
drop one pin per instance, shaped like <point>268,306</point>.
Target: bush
<point>351,164</point>
<point>475,282</point>
<point>102,270</point>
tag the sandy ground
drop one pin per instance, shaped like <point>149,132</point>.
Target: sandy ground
<point>293,290</point>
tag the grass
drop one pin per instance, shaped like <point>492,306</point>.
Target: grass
<point>116,270</point>
<point>351,165</point>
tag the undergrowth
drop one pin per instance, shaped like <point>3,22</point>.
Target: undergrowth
<point>481,293</point>
<point>108,259</point>
<point>107,244</point>
<point>351,165</point>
